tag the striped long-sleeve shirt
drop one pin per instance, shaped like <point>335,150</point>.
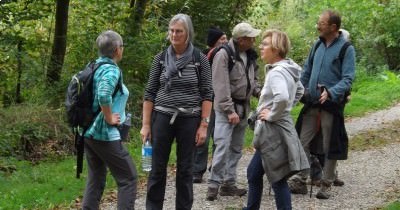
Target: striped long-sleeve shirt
<point>187,91</point>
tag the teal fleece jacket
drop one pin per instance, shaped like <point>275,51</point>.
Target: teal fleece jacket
<point>327,70</point>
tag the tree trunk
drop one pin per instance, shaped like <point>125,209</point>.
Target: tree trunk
<point>136,17</point>
<point>60,41</point>
<point>18,97</point>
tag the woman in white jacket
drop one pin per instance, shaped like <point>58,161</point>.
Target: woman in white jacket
<point>279,152</point>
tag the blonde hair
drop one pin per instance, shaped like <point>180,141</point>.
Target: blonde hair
<point>279,41</point>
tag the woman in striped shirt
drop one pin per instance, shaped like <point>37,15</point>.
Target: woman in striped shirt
<point>177,104</point>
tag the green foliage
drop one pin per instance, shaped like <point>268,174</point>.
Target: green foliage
<point>287,16</point>
<point>25,23</point>
<point>393,206</point>
<point>373,25</point>
<point>373,92</point>
<point>34,133</point>
<point>49,185</point>
<point>223,14</point>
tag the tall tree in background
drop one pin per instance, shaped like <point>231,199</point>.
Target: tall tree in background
<point>138,8</point>
<point>60,42</point>
<point>22,43</point>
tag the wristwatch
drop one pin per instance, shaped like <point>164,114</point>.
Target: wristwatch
<point>205,119</point>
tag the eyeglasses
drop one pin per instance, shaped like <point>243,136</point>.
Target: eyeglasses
<point>264,44</point>
<point>176,31</point>
<point>122,45</point>
<point>322,23</point>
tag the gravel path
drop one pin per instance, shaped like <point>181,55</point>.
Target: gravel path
<point>369,176</point>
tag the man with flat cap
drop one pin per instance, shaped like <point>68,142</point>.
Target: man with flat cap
<point>232,92</point>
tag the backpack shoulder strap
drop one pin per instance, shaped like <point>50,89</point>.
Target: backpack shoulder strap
<point>228,50</point>
<point>313,50</point>
<point>197,62</point>
<point>343,50</point>
<point>231,56</point>
<point>162,56</point>
<point>196,56</point>
<point>119,84</point>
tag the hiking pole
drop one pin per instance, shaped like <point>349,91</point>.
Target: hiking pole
<point>79,146</point>
<point>314,163</point>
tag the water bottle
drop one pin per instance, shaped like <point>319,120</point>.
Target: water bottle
<point>147,152</point>
<point>124,128</point>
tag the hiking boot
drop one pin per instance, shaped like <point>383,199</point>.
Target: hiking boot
<point>323,192</point>
<point>212,193</point>
<point>314,182</point>
<point>297,186</point>
<point>197,178</point>
<point>338,182</point>
<point>232,191</point>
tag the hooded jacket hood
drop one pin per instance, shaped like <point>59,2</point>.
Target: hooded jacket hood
<point>292,68</point>
<point>282,89</point>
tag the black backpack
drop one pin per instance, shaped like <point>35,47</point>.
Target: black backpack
<point>79,102</point>
<point>79,98</point>
<point>230,52</point>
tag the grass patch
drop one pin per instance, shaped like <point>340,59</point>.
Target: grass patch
<point>376,138</point>
<point>42,186</point>
<point>393,206</point>
<point>371,93</point>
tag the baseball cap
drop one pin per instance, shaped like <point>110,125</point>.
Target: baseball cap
<point>244,30</point>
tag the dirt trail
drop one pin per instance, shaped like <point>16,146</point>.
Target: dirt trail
<point>369,175</point>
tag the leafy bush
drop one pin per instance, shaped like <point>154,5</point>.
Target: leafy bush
<point>34,133</point>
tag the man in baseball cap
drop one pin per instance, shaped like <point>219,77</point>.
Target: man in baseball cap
<point>232,92</point>
<point>244,30</point>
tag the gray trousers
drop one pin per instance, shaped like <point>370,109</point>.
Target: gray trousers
<point>111,154</point>
<point>309,129</point>
<point>228,141</point>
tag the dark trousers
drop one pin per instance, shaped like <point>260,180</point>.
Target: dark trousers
<point>201,152</point>
<point>163,134</point>
<point>111,154</point>
<point>255,174</point>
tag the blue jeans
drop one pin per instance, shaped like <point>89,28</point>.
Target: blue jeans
<point>255,174</point>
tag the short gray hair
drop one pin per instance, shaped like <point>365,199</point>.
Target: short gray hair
<point>107,42</point>
<point>187,24</point>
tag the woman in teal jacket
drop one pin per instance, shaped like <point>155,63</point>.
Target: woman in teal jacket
<point>103,146</point>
